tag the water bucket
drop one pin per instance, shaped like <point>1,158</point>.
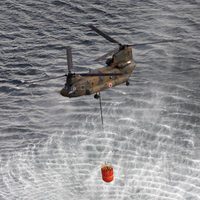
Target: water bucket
<point>107,173</point>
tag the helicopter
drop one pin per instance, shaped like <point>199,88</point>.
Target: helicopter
<point>117,71</point>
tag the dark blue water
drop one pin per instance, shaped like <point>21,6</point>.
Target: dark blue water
<point>53,147</point>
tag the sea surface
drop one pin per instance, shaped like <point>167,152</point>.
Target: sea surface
<point>52,148</point>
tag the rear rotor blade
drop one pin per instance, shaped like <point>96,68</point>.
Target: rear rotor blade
<point>156,42</point>
<point>69,58</point>
<point>107,37</point>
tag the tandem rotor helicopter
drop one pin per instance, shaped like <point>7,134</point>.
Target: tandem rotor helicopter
<point>118,69</point>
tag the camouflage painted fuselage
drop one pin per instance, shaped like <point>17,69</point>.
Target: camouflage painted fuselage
<point>122,62</point>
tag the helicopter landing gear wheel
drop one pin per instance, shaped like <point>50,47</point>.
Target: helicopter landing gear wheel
<point>96,96</point>
<point>127,83</point>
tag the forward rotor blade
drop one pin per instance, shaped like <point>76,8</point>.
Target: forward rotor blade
<point>106,36</point>
<point>156,42</point>
<point>41,80</point>
<point>107,54</point>
<point>100,74</point>
<point>69,58</point>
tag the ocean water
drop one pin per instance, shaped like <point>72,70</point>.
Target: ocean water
<point>52,148</point>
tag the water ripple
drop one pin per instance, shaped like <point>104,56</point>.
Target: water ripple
<point>53,147</point>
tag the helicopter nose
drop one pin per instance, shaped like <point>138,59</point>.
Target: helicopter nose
<point>68,92</point>
<point>64,92</point>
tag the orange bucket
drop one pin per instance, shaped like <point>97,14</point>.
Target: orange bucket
<point>107,173</point>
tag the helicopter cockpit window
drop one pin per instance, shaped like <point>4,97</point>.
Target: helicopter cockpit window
<point>109,61</point>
